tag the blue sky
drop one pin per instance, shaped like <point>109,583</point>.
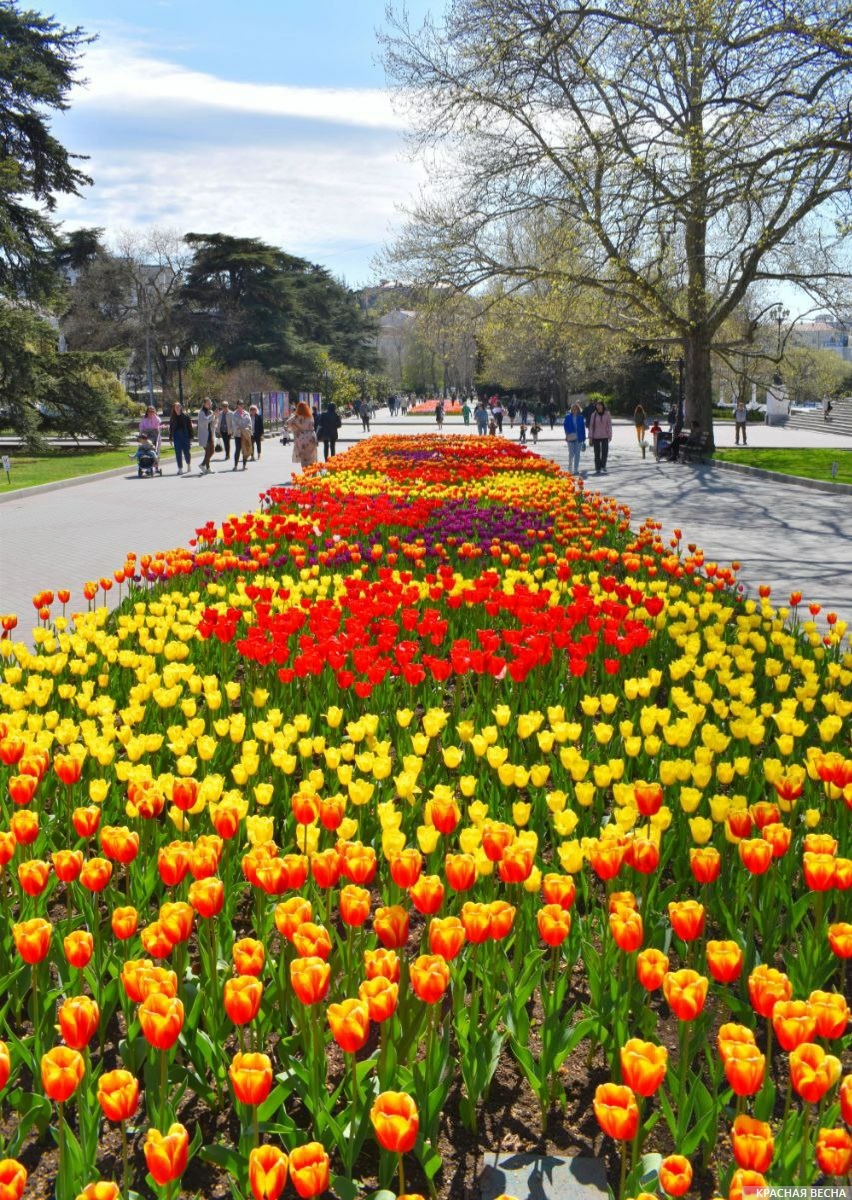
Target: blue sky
<point>261,118</point>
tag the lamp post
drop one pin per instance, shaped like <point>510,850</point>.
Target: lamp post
<point>176,354</point>
<point>680,413</point>
<point>779,315</point>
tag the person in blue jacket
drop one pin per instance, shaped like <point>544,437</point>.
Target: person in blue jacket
<point>575,436</point>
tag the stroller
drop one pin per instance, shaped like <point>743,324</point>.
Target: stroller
<point>147,456</point>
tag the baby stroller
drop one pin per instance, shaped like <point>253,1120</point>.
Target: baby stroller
<point>147,458</point>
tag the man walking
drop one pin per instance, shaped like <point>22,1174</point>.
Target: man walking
<point>206,434</point>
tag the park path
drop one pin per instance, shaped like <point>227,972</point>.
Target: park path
<point>784,535</point>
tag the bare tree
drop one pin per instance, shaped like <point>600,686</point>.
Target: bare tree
<point>685,152</point>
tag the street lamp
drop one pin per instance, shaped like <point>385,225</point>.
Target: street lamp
<point>779,315</point>
<point>176,354</point>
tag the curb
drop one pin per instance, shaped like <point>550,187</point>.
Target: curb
<point>814,485</point>
<point>58,484</point>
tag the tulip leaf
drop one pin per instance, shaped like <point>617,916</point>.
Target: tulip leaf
<point>696,1135</point>
<point>30,1110</point>
<point>224,1156</point>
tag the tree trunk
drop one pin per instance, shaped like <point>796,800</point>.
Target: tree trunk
<point>698,384</point>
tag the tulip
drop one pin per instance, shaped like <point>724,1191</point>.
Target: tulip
<point>818,870</point>
<point>606,859</point>
<point>745,1067</point>
<point>102,1189</point>
<point>675,1175</point>
<point>78,947</point>
<point>384,963</point>
<point>687,919</point>
<point>32,939</point>
<point>157,940</point>
<point>118,1095</point>
<point>119,843</point>
<point>207,896</point>
<point>405,868</point>
<point>79,1018</point>
<point>161,1018</point>
<point>124,922</point>
<point>834,1151</point>
<point>643,1066</point>
<point>354,905</point>
<point>427,894</point>
<point>67,864</point>
<point>617,1111</point>
<point>5,1065</point>
<point>460,870</point>
<point>390,925</point>
<point>242,998</point>
<point>396,1121</point>
<point>733,1035</point>
<point>752,1143</point>
<point>845,1091</point>
<point>166,1154</point>
<point>380,995</point>
<point>626,927</point>
<point>724,961</point>
<point>251,1077</point>
<point>831,1013</point>
<point>290,914</point>
<point>766,986</point>
<point>559,889</point>
<point>349,1022</point>
<point>651,968</point>
<point>86,820</point>
<point>554,924</point>
<point>430,977</point>
<point>267,1172</point>
<point>312,941</point>
<point>249,956</point>
<point>309,978</point>
<point>310,1170</point>
<point>62,1071</point>
<point>813,1072</point>
<point>685,992</point>
<point>794,1022</point>
<point>13,1179</point>
<point>743,1179</point>
<point>177,920</point>
<point>96,874</point>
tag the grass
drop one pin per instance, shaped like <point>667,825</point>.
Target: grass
<point>29,470</point>
<point>809,464</point>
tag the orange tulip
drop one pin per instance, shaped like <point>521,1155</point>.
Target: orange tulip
<point>118,1095</point>
<point>290,914</point>
<point>78,947</point>
<point>382,963</point>
<point>427,894</point>
<point>606,858</point>
<point>161,1018</point>
<point>739,824</point>
<point>834,1151</point>
<point>267,1172</point>
<point>349,1022</point>
<point>79,1017</point>
<point>405,868</point>
<point>25,827</point>
<point>430,977</point>
<point>813,1072</point>
<point>359,863</point>
<point>818,870</point>
<point>643,855</point>
<point>96,874</point>
<point>67,864</point>
<point>177,919</point>
<point>766,986</point>
<point>103,1189</point>
<point>86,820</point>
<point>157,940</point>
<point>22,788</point>
<point>33,875</point>
<point>312,941</point>
<point>648,797</point>
<point>396,1121</point>
<point>124,922</point>
<point>687,919</point>
<point>732,1034</point>
<point>845,1091</point>
<point>617,1111</point>
<point>752,1143</point>
<point>446,937</point>
<point>207,896</point>
<point>390,925</point>
<point>502,916</point>
<point>249,956</point>
<point>516,864</point>
<point>675,1175</point>
<point>724,961</point>
<point>354,905</point>
<point>743,1179</point>
<point>625,925</point>
<point>13,1179</point>
<point>5,1065</point>
<point>444,814</point>
<point>309,978</point>
<point>141,978</point>
<point>554,924</point>
<point>643,1065</point>
<point>243,995</point>
<point>685,992</point>
<point>251,1077</point>
<point>831,1012</point>
<point>559,889</point>
<point>68,768</point>
<point>794,1022</point>
<point>779,837</point>
<point>119,843</point>
<point>476,920</point>
<point>651,968</point>
<point>185,794</point>
<point>460,870</point>
<point>755,855</point>
<point>310,1170</point>
<point>173,863</point>
<point>62,1071</point>
<point>332,810</point>
<point>744,1068</point>
<point>380,996</point>
<point>32,939</point>
<point>166,1153</point>
<point>7,847</point>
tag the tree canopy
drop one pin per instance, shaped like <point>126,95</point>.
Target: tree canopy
<point>675,155</point>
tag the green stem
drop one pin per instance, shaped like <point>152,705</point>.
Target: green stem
<point>62,1169</point>
<point>164,1087</point>
<point>623,1179</point>
<point>803,1158</point>
<point>125,1159</point>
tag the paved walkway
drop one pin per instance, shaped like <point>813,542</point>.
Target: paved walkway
<point>782,534</point>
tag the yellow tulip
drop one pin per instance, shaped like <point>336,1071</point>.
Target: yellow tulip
<point>427,838</point>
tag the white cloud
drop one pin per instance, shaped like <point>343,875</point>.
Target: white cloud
<point>121,76</point>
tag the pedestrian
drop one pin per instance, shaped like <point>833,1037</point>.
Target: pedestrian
<point>741,422</point>
<point>256,429</point>
<point>497,414</point>
<point>223,428</point>
<point>535,430</point>
<point>301,425</point>
<point>524,413</point>
<point>241,433</point>
<point>466,411</point>
<point>575,436</point>
<point>439,415</point>
<point>328,422</point>
<point>206,433</point>
<point>522,432</point>
<point>150,426</point>
<point>551,414</point>
<point>827,410</point>
<point>480,415</point>
<point>640,421</point>
<point>600,433</point>
<point>180,432</point>
<point>511,409</point>
<point>365,416</point>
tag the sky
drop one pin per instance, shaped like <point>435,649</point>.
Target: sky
<point>263,118</point>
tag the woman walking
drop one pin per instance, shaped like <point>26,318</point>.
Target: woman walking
<point>241,433</point>
<point>439,416</point>
<point>256,429</point>
<point>575,436</point>
<point>639,420</point>
<point>180,432</point>
<point>206,435</point>
<point>301,425</point>
<point>223,428</point>
<point>600,432</point>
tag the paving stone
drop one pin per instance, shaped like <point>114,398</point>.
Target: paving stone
<point>542,1177</point>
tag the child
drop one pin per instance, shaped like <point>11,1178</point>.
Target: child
<point>492,427</point>
<point>146,457</point>
<point>535,430</point>
<point>522,436</point>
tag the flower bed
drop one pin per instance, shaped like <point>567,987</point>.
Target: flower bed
<point>428,791</point>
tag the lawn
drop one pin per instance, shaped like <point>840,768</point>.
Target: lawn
<point>28,470</point>
<point>810,464</point>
